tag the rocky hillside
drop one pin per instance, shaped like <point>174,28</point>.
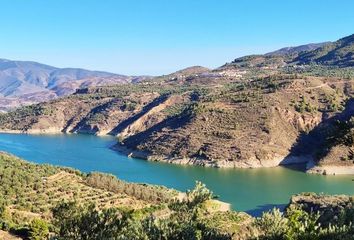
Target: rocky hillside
<point>258,111</point>
<point>224,123</point>
<point>336,153</point>
<point>24,82</point>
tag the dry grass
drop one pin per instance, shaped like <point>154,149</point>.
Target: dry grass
<point>7,236</point>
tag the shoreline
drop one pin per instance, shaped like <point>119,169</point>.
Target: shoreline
<point>331,170</point>
<point>251,164</point>
<point>311,167</point>
<point>34,132</point>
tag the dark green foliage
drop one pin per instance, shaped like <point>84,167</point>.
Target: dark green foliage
<point>257,61</point>
<point>86,222</point>
<point>129,106</point>
<point>17,175</point>
<point>175,110</point>
<point>181,219</point>
<point>23,186</point>
<point>343,133</point>
<point>3,217</point>
<point>96,118</point>
<point>304,106</point>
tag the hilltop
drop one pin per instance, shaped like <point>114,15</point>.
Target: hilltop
<point>328,54</point>
<point>339,53</point>
<point>297,49</point>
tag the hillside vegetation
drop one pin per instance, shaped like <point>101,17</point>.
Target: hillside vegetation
<point>46,202</point>
<point>29,190</point>
<point>40,199</point>
<point>248,123</point>
<point>339,53</point>
<point>257,111</point>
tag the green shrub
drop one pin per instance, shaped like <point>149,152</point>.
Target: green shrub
<point>38,230</point>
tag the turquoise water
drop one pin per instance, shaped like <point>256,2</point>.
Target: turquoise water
<point>251,190</point>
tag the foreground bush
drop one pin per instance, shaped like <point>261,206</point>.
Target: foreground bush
<point>297,224</point>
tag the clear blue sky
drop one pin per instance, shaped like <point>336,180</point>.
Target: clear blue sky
<point>160,36</point>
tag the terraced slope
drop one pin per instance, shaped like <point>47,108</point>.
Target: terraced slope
<point>33,193</point>
<point>30,191</point>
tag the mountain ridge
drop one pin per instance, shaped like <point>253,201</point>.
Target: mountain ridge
<point>338,53</point>
<point>297,49</point>
<point>20,79</point>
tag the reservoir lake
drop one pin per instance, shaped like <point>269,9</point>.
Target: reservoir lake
<point>250,190</point>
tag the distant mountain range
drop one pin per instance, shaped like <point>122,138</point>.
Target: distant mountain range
<point>25,82</point>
